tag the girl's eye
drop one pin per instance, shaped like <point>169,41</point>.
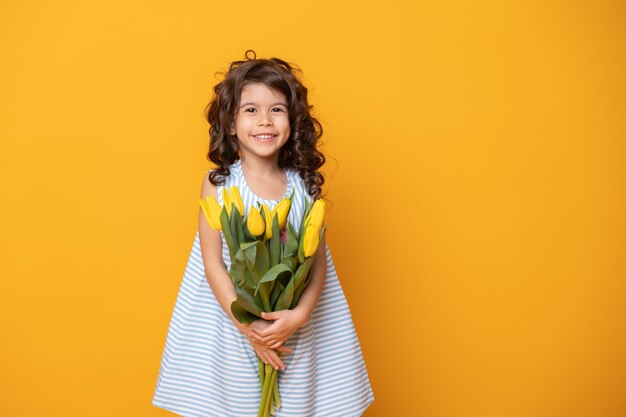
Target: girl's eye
<point>249,109</point>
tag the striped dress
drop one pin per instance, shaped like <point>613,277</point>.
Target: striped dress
<point>208,368</point>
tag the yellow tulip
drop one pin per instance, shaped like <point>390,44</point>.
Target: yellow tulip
<point>311,239</point>
<point>226,199</point>
<point>235,197</point>
<point>255,223</point>
<point>316,214</point>
<point>282,210</point>
<point>232,196</point>
<point>268,221</point>
<point>212,210</point>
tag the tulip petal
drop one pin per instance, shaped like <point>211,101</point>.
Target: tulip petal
<point>255,222</point>
<point>235,198</point>
<point>226,200</point>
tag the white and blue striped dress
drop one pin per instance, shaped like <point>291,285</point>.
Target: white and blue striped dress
<point>208,368</point>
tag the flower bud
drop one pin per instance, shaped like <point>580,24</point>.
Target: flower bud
<point>311,239</point>
<point>255,223</point>
<point>212,210</point>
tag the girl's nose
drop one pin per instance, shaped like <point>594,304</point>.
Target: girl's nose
<point>265,119</point>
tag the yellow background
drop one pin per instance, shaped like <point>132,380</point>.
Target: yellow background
<point>476,178</point>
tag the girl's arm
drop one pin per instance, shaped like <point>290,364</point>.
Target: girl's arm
<point>218,278</point>
<point>287,322</point>
<point>311,294</point>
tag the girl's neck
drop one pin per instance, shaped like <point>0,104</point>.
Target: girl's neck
<point>261,168</point>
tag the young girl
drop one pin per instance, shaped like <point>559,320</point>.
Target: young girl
<point>263,140</point>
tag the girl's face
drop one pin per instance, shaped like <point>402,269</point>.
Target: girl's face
<point>262,121</point>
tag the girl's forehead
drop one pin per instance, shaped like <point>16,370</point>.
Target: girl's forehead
<point>261,90</point>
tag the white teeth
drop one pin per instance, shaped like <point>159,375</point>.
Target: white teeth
<point>264,136</point>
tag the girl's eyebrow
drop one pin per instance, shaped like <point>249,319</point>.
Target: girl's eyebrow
<point>273,104</point>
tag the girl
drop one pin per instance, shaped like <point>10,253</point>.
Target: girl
<point>263,140</point>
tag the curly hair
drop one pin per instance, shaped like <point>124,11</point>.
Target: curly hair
<point>299,153</point>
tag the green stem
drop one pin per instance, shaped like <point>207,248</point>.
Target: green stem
<point>275,384</point>
<point>276,396</point>
<point>272,378</point>
<point>261,371</point>
<point>270,399</point>
<point>265,391</point>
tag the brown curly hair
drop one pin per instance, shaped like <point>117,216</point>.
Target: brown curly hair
<point>299,153</point>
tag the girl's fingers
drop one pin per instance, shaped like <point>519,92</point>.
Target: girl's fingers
<point>262,339</point>
<point>271,358</point>
<point>277,363</point>
<point>271,343</point>
<point>269,355</point>
<point>284,349</point>
<point>275,344</point>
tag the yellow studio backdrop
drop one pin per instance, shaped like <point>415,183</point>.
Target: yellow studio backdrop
<point>476,184</point>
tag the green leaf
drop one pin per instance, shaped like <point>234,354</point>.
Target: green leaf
<point>301,254</point>
<point>247,300</point>
<point>260,268</point>
<point>238,270</point>
<point>239,224</point>
<point>264,295</point>
<point>262,262</point>
<point>285,298</point>
<point>290,262</point>
<point>276,291</point>
<point>246,245</point>
<point>241,314</point>
<point>249,251</point>
<point>302,270</point>
<point>300,279</point>
<point>236,228</point>
<point>226,230</point>
<point>273,273</point>
<point>274,243</point>
<point>291,243</point>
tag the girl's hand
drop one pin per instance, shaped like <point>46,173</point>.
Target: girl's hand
<point>269,355</point>
<point>266,354</point>
<point>274,334</point>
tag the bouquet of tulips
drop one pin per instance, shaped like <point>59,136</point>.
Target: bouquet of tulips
<point>270,263</point>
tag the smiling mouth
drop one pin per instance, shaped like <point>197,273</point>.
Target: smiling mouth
<point>264,137</point>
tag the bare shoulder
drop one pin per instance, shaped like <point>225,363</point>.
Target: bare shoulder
<point>210,239</point>
<point>208,188</point>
